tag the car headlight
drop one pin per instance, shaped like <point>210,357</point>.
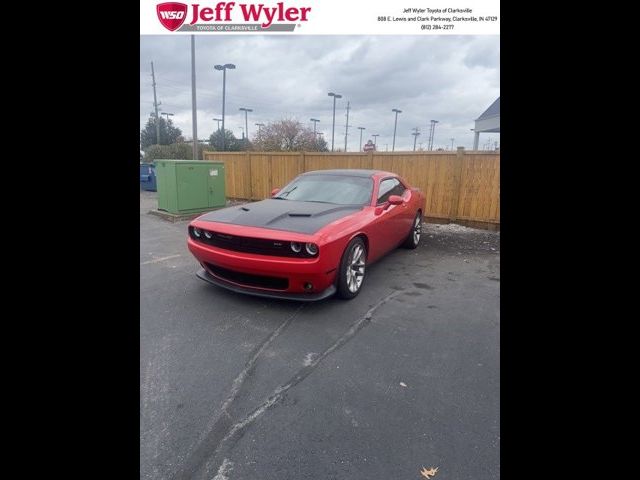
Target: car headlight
<point>312,248</point>
<point>208,234</point>
<point>296,247</point>
<point>197,232</point>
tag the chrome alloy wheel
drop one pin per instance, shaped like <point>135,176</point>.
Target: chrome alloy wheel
<point>355,270</point>
<point>417,229</point>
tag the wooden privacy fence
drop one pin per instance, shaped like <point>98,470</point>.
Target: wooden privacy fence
<point>461,187</point>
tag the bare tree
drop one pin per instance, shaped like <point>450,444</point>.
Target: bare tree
<point>288,136</point>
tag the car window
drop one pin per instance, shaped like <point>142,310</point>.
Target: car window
<point>388,187</point>
<point>341,190</point>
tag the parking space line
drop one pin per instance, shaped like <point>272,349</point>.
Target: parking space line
<point>161,259</point>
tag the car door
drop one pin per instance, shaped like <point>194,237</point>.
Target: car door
<point>393,218</point>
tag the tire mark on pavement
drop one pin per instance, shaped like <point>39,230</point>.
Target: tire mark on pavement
<point>212,435</point>
<point>234,431</point>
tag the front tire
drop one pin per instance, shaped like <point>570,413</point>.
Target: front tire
<point>413,239</point>
<point>352,269</point>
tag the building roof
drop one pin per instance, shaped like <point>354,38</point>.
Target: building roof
<point>492,111</point>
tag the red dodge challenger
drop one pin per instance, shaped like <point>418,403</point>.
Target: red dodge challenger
<point>312,238</point>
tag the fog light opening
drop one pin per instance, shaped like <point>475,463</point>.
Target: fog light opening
<point>308,286</point>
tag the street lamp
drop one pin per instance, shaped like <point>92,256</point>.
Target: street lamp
<point>415,137</point>
<point>393,148</point>
<point>224,68</point>
<point>361,129</point>
<point>217,120</point>
<point>168,115</point>
<point>375,138</point>
<point>259,125</point>
<point>452,143</point>
<point>246,125</point>
<point>333,128</point>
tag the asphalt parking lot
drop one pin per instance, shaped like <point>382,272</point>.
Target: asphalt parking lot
<point>402,377</point>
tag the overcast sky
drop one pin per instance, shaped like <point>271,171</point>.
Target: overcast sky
<point>452,79</point>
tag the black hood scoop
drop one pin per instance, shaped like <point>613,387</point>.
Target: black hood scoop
<point>286,215</point>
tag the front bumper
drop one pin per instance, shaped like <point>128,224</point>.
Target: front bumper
<point>259,274</point>
<point>304,297</point>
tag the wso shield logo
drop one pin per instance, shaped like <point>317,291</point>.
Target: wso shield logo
<point>172,14</point>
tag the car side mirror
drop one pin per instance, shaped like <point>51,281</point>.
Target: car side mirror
<point>395,200</point>
<point>274,192</point>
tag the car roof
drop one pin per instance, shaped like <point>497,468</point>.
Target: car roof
<point>352,172</point>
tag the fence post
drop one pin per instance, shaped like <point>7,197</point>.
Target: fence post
<point>457,184</point>
<point>304,162</point>
<point>248,157</point>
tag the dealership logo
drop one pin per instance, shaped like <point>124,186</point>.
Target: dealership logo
<point>172,15</point>
<point>279,17</point>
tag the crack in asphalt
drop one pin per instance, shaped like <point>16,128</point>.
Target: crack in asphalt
<point>235,431</point>
<point>213,434</point>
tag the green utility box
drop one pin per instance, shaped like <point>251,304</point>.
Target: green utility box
<point>190,186</point>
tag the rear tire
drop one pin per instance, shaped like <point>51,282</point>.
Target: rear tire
<point>352,269</point>
<point>413,239</point>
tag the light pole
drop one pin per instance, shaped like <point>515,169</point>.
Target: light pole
<point>375,138</point>
<point>168,115</point>
<point>224,68</point>
<point>246,124</point>
<point>415,137</point>
<point>393,148</point>
<point>217,120</point>
<point>333,128</point>
<point>259,125</point>
<point>315,122</point>
<point>452,143</point>
<point>361,129</point>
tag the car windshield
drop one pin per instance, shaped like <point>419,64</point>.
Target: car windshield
<point>340,190</point>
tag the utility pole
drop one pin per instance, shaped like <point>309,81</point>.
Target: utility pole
<point>431,133</point>
<point>155,105</point>
<point>375,138</point>
<point>346,127</point>
<point>415,137</point>
<point>194,109</point>
<point>361,129</point>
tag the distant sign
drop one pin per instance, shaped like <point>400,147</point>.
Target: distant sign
<point>369,147</point>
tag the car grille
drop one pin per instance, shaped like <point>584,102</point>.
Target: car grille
<point>261,281</point>
<point>248,244</point>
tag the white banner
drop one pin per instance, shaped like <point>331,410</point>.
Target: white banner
<point>321,17</point>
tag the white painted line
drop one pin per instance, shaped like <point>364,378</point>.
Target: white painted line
<point>161,259</point>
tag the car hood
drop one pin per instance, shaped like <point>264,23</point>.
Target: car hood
<point>287,215</point>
